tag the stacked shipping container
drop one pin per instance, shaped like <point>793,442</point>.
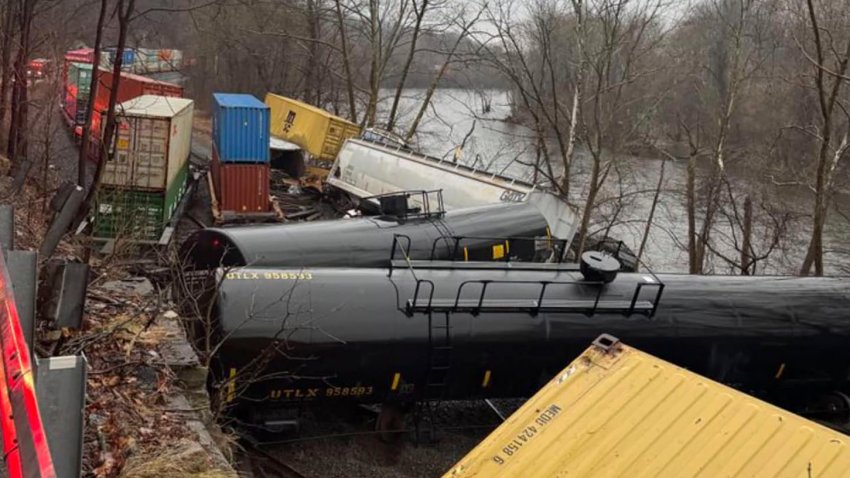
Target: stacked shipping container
<point>240,162</point>
<point>144,60</point>
<point>76,74</point>
<point>130,86</point>
<point>144,182</point>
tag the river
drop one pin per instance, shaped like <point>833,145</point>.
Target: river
<point>504,147</point>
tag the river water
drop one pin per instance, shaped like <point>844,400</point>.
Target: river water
<point>456,116</point>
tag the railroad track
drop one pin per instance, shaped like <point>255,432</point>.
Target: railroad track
<point>265,465</point>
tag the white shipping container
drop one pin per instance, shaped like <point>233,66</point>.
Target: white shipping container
<point>153,142</point>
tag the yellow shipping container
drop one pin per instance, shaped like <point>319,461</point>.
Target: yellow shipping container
<point>616,411</point>
<point>318,132</point>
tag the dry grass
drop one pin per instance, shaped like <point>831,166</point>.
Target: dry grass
<point>184,459</point>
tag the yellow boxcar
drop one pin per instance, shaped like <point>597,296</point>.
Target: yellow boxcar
<point>318,132</point>
<point>616,411</point>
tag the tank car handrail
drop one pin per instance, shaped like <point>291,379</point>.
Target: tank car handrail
<point>533,307</point>
<point>458,165</point>
<point>396,243</point>
<point>543,286</point>
<point>425,200</point>
<point>419,282</point>
<point>655,301</point>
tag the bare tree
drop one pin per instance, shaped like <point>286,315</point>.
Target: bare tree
<point>832,130</point>
<point>8,11</point>
<point>17,146</point>
<point>419,11</point>
<point>124,12</point>
<point>84,145</point>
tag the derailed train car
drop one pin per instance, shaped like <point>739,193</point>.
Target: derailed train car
<point>502,232</point>
<point>432,330</point>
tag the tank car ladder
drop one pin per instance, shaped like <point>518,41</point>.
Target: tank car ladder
<point>439,354</point>
<point>439,370</point>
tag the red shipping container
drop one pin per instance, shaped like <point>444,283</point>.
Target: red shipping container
<point>130,86</point>
<point>83,55</point>
<point>239,187</point>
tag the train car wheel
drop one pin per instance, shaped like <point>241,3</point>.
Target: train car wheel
<point>833,408</point>
<point>390,423</point>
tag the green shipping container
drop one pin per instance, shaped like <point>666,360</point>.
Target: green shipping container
<point>137,215</point>
<point>79,75</point>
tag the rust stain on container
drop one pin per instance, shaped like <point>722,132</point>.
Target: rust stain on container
<point>616,411</point>
<point>240,187</point>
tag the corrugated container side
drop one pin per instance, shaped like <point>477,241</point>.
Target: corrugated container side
<point>241,133</point>
<point>241,188</point>
<point>141,154</point>
<point>180,143</point>
<point>616,411</point>
<point>176,190</point>
<point>129,87</point>
<point>317,131</point>
<point>79,76</point>
<point>83,55</point>
<point>150,152</point>
<point>137,215</point>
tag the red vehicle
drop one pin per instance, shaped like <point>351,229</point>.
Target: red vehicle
<point>37,69</point>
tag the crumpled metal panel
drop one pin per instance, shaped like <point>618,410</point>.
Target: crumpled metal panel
<point>616,411</point>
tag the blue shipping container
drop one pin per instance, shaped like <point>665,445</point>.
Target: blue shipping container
<point>240,128</point>
<point>127,58</point>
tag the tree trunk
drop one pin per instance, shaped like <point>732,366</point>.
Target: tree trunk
<point>746,246</point>
<point>124,16</point>
<point>694,267</point>
<point>374,67</point>
<point>651,212</point>
<point>84,146</point>
<point>420,14</point>
<point>589,204</point>
<point>17,147</point>
<point>6,57</point>
<point>346,63</point>
<point>312,88</point>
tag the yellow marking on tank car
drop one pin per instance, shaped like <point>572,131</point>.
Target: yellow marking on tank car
<point>465,254</point>
<point>486,381</point>
<point>507,247</point>
<point>231,386</point>
<point>396,380</point>
<point>498,251</point>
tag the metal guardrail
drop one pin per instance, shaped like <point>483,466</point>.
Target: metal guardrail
<point>25,448</point>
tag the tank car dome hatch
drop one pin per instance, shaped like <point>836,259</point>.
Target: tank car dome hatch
<point>599,267</point>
